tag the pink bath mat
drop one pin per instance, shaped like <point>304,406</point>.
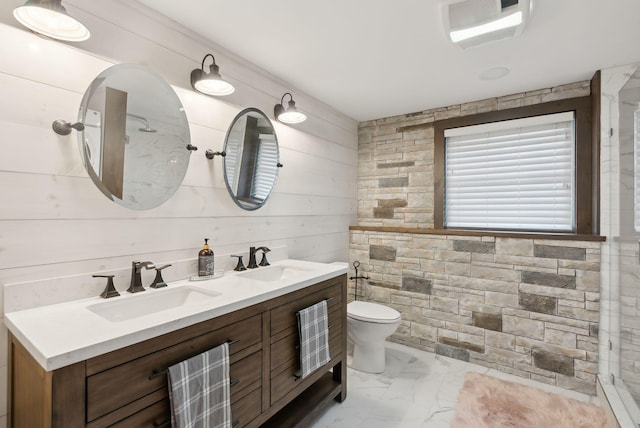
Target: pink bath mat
<point>487,402</point>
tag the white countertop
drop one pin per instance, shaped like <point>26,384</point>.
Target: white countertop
<point>66,333</point>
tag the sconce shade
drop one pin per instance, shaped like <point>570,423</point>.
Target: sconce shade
<point>50,18</point>
<point>210,83</point>
<point>290,114</point>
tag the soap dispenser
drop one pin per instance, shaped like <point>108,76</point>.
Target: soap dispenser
<point>205,260</point>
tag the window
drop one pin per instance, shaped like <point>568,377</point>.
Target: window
<point>527,170</point>
<point>515,175</point>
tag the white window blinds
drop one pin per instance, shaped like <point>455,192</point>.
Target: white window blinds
<point>512,175</point>
<point>266,167</point>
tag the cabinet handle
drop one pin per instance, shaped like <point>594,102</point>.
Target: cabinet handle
<point>157,373</point>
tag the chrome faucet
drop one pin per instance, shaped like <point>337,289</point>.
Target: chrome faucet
<point>136,278</point>
<point>252,257</point>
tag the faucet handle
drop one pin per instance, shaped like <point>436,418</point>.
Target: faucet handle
<point>158,282</point>
<point>110,289</point>
<point>264,261</point>
<point>240,266</point>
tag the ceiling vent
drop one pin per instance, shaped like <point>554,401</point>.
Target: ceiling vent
<point>470,23</point>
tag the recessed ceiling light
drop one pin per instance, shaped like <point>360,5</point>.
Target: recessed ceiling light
<point>494,73</point>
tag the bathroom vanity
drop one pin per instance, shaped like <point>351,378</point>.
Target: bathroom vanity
<point>116,375</point>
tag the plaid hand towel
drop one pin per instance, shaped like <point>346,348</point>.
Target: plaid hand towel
<point>199,390</point>
<point>314,337</point>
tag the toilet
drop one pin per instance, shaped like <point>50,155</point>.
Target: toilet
<point>368,325</point>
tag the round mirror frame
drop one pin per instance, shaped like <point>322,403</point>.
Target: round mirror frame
<point>135,138</point>
<point>250,202</point>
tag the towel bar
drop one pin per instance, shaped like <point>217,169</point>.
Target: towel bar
<point>157,373</point>
<point>297,376</point>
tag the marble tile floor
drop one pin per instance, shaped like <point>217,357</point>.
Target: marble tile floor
<point>417,390</point>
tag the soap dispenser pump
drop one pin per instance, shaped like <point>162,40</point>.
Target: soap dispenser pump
<point>205,260</point>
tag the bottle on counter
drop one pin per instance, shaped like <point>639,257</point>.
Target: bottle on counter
<point>205,260</point>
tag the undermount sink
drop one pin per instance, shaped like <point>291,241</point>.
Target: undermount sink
<point>150,302</point>
<point>273,273</point>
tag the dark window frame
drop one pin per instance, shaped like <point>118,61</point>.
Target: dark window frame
<point>587,169</point>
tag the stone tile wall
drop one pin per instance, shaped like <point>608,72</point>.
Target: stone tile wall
<point>524,306</point>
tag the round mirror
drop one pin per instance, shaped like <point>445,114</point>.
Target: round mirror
<point>135,138</point>
<point>252,159</point>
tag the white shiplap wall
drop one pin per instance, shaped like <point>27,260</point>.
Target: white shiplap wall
<point>54,222</point>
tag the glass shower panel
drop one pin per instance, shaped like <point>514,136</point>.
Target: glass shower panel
<point>629,239</point>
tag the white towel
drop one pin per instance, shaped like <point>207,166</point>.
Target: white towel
<point>314,337</point>
<point>199,390</point>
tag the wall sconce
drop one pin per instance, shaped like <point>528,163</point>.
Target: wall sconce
<point>211,83</point>
<point>289,114</point>
<point>50,18</point>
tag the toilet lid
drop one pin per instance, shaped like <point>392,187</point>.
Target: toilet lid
<point>372,312</point>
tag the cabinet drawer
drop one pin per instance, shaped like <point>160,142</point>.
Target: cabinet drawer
<point>157,415</point>
<point>245,374</point>
<point>287,348</point>
<point>283,318</point>
<point>123,384</point>
<point>284,381</point>
<point>247,408</point>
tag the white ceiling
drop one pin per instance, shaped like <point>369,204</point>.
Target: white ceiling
<point>377,58</point>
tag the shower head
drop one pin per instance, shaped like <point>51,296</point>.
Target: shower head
<point>147,127</point>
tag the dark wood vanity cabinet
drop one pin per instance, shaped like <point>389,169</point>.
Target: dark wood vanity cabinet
<point>128,387</point>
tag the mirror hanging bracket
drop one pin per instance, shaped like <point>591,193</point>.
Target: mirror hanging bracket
<point>62,127</point>
<point>210,154</point>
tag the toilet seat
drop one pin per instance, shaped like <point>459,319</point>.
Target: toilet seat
<point>372,312</point>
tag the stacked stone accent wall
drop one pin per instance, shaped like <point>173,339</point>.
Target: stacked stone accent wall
<point>529,307</point>
<point>523,306</point>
